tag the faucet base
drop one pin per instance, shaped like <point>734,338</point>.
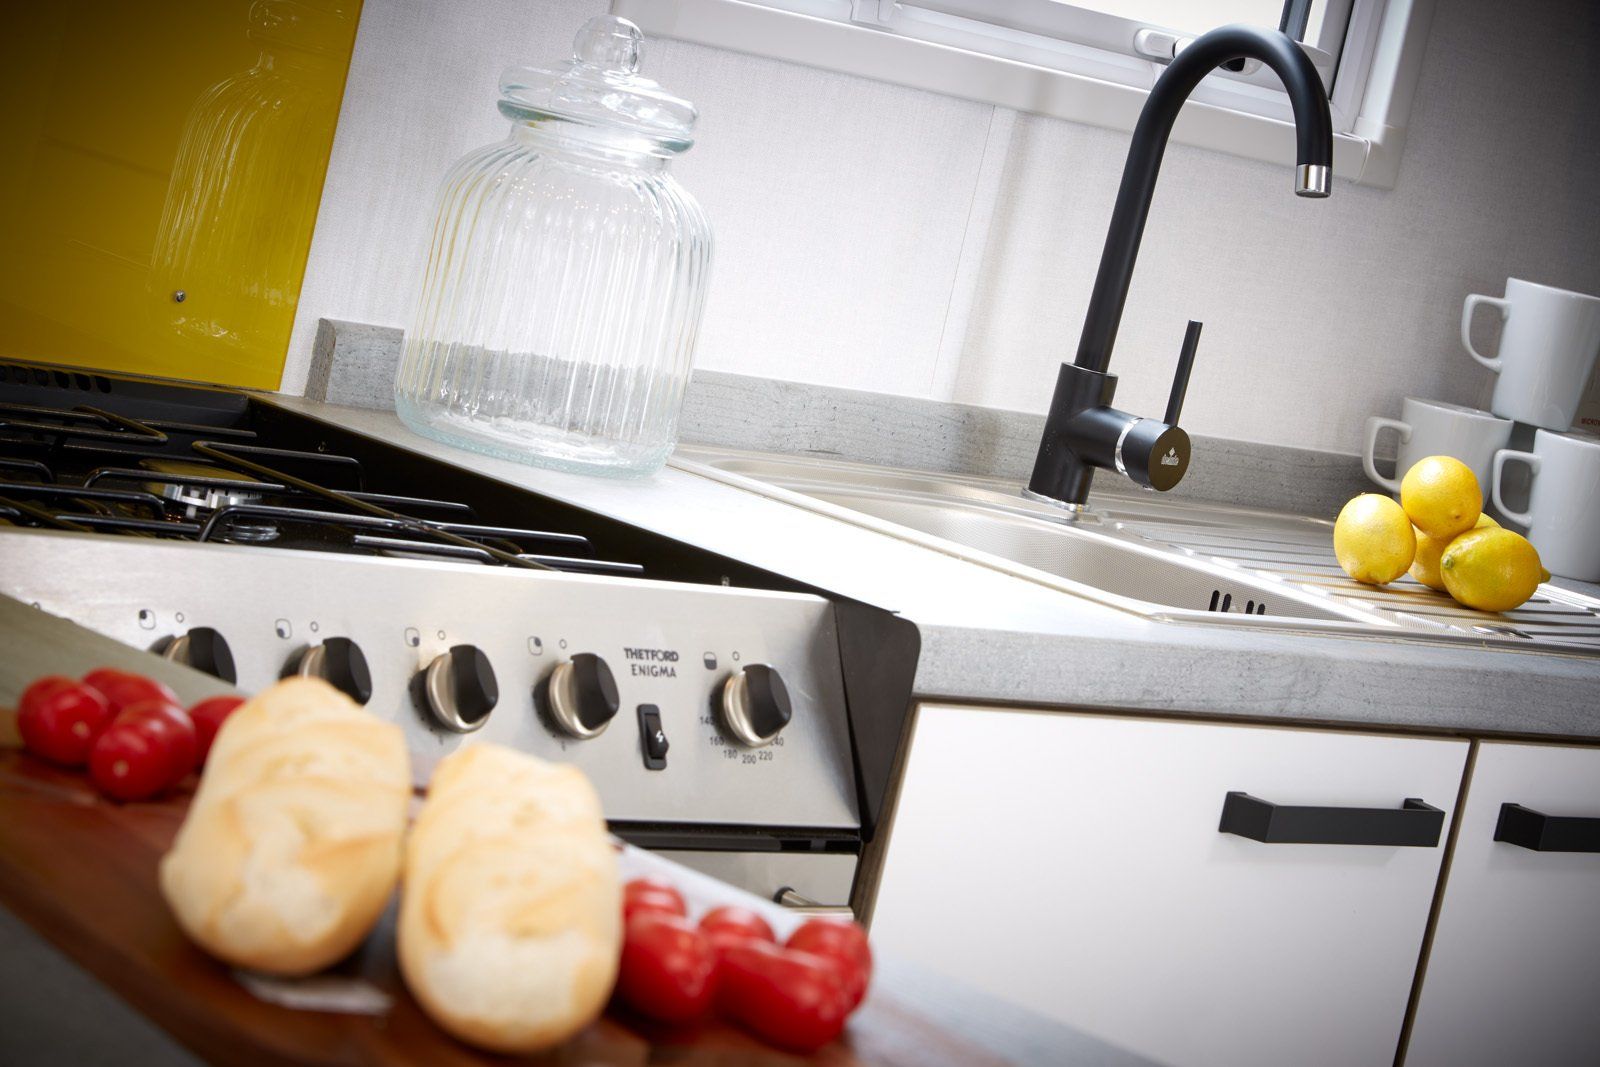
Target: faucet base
<point>1072,510</point>
<point>1084,432</point>
<point>1060,474</point>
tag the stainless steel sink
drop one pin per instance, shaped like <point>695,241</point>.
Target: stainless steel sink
<point>1154,556</point>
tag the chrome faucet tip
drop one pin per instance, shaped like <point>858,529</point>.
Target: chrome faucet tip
<point>1311,179</point>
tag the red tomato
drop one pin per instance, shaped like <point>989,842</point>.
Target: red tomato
<point>786,997</point>
<point>59,719</point>
<point>668,968</point>
<point>731,925</point>
<point>651,894</point>
<point>844,942</point>
<point>736,920</point>
<point>208,716</point>
<point>123,689</point>
<point>172,730</point>
<point>128,762</point>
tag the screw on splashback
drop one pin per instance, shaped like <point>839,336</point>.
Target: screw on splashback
<point>179,296</point>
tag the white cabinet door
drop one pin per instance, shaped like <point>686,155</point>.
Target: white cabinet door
<point>1073,863</point>
<point>1513,976</point>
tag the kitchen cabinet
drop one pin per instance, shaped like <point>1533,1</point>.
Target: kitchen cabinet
<point>1513,974</point>
<point>1074,863</point>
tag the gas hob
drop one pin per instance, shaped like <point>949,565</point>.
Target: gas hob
<point>720,710</point>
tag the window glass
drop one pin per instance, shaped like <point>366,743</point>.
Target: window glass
<point>1190,16</point>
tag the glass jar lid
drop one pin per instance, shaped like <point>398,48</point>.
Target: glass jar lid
<point>601,87</point>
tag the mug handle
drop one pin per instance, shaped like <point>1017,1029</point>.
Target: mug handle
<point>1471,305</point>
<point>1501,458</point>
<point>1374,426</point>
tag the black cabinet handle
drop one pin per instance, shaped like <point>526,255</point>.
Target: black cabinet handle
<point>1527,828</point>
<point>1415,824</point>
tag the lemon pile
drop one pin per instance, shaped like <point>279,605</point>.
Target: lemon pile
<point>1438,533</point>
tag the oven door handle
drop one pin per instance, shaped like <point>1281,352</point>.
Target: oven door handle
<point>1414,824</point>
<point>802,905</point>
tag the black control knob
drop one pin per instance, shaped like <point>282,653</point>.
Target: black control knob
<point>583,696</point>
<point>338,661</point>
<point>205,650</point>
<point>459,688</point>
<point>755,705</point>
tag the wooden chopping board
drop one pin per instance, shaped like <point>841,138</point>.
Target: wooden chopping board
<point>82,871</point>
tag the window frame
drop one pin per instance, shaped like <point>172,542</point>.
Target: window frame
<point>1059,20</point>
<point>1246,115</point>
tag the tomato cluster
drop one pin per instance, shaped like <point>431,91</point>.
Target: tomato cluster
<point>796,995</point>
<point>129,730</point>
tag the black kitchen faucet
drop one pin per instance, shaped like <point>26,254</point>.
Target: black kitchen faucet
<point>1083,431</point>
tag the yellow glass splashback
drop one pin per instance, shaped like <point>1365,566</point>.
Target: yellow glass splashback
<point>161,170</point>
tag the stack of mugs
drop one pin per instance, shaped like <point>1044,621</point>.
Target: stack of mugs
<point>1548,350</point>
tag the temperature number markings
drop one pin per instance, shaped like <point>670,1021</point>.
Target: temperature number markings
<point>760,755</point>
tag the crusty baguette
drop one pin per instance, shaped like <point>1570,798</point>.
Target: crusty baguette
<point>510,916</point>
<point>292,844</point>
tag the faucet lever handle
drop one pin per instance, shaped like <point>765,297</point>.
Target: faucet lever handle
<point>1180,379</point>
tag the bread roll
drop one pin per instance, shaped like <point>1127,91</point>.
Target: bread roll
<point>292,844</point>
<point>510,917</point>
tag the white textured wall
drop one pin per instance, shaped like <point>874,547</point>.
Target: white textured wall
<point>886,239</point>
<point>1317,313</point>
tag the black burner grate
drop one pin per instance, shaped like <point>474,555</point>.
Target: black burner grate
<point>83,468</point>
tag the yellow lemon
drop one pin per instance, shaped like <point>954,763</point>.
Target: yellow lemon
<point>1442,496</point>
<point>1425,568</point>
<point>1372,539</point>
<point>1491,569</point>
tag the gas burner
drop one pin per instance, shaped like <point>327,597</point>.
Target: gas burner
<point>216,475</point>
<point>196,487</point>
<point>242,531</point>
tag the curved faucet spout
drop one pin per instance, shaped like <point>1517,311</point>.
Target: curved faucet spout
<point>1083,432</point>
<point>1313,136</point>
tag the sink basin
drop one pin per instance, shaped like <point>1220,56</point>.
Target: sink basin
<point>1082,554</point>
<point>1157,557</point>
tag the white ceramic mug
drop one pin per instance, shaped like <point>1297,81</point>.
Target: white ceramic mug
<point>1434,428</point>
<point>1563,516</point>
<point>1547,351</point>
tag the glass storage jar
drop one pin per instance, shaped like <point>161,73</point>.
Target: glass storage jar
<point>566,274</point>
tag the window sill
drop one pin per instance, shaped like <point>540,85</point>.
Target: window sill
<point>1368,155</point>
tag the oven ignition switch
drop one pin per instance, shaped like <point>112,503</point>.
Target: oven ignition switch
<point>755,705</point>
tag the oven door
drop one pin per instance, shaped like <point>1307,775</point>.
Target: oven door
<point>811,872</point>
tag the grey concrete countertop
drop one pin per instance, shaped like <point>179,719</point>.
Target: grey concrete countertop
<point>992,637</point>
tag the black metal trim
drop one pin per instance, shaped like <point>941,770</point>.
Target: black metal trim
<point>720,838</point>
<point>878,654</point>
<point>1415,824</point>
<point>1539,832</point>
<point>1296,16</point>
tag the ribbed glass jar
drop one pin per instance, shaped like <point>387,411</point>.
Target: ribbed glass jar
<point>566,275</point>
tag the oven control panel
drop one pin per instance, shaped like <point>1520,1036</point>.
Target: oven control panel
<point>683,703</point>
